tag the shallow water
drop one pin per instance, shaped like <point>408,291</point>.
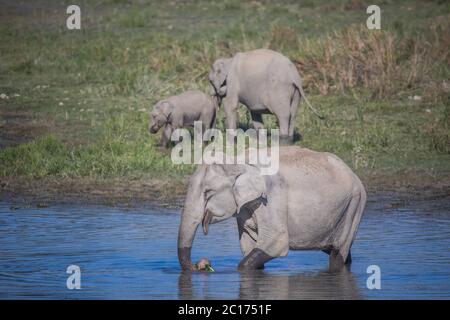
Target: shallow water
<point>131,254</point>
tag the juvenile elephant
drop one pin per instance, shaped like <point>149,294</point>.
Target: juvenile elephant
<point>181,111</point>
<point>314,202</point>
<point>264,81</point>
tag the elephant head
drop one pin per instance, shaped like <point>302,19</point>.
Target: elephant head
<point>160,115</point>
<point>218,76</point>
<point>216,193</point>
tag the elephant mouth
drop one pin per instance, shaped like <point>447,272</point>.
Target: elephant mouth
<point>221,89</point>
<point>153,129</point>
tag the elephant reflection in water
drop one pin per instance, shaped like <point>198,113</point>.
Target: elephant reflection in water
<point>204,287</point>
<point>322,285</point>
<point>262,285</point>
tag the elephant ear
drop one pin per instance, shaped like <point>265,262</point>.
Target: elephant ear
<point>224,66</point>
<point>249,187</point>
<point>220,74</point>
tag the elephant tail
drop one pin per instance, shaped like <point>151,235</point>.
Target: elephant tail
<point>303,95</point>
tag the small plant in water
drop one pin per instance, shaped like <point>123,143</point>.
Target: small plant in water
<point>204,265</point>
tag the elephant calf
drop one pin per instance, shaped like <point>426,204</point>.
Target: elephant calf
<point>181,111</point>
<point>314,202</point>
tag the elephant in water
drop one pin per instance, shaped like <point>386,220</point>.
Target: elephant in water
<point>181,111</point>
<point>313,202</point>
<point>264,81</point>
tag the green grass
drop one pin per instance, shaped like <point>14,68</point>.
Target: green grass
<point>117,152</point>
<point>99,83</point>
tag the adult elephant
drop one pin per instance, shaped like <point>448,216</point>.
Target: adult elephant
<point>314,202</point>
<point>264,81</point>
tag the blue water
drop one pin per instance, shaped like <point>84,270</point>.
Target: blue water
<point>131,254</point>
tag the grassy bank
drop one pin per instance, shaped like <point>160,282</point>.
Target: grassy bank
<point>75,103</point>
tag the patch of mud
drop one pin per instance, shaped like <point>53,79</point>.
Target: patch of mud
<point>112,192</point>
<point>411,182</point>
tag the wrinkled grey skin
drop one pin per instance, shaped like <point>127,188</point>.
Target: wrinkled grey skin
<point>181,111</point>
<point>320,197</point>
<point>264,81</point>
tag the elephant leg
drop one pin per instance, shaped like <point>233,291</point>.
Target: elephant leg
<point>283,122</point>
<point>205,124</point>
<point>165,137</point>
<point>212,120</point>
<point>231,105</point>
<point>254,260</point>
<point>271,234</point>
<point>247,243</point>
<point>246,237</point>
<point>341,257</point>
<point>280,103</point>
<point>336,261</point>
<point>257,120</point>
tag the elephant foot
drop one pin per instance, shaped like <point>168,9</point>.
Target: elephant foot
<point>286,140</point>
<point>336,262</point>
<point>254,260</point>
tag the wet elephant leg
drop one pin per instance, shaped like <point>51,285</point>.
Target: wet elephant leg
<point>254,260</point>
<point>337,262</point>
<point>348,260</point>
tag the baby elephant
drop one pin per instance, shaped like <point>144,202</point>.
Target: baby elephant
<point>181,111</point>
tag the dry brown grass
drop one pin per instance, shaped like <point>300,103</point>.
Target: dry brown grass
<point>380,61</point>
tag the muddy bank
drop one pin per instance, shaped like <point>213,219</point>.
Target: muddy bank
<point>111,192</point>
<point>171,192</point>
<point>17,127</point>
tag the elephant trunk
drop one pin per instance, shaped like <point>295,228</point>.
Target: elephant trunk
<point>186,234</point>
<point>191,217</point>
